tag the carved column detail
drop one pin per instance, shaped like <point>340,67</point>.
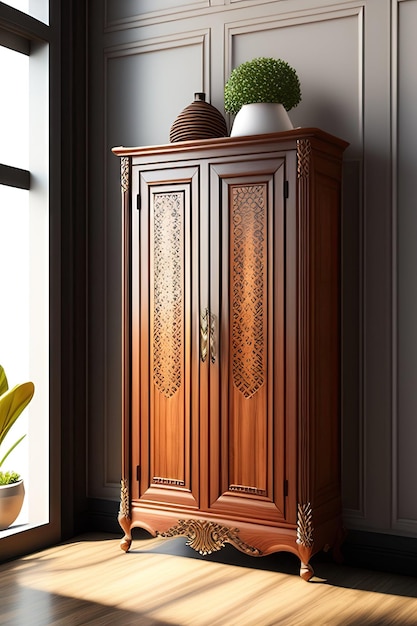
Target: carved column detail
<point>303,158</point>
<point>305,525</point>
<point>124,510</point>
<point>124,173</point>
<point>304,308</point>
<point>206,537</point>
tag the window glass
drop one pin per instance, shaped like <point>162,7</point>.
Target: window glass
<point>24,259</point>
<point>14,317</point>
<point>35,8</point>
<point>14,109</point>
<point>14,261</point>
<point>23,328</point>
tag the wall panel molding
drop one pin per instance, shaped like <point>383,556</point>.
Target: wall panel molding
<point>123,15</point>
<point>285,20</point>
<point>180,40</point>
<point>117,15</point>
<point>353,430</point>
<point>394,269</point>
<point>377,267</point>
<point>309,19</point>
<point>404,258</point>
<point>175,40</point>
<point>134,14</point>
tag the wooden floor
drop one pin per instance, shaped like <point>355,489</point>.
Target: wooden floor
<point>91,581</point>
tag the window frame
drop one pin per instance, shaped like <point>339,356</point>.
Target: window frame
<point>22,32</point>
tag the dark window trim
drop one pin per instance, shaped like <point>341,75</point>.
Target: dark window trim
<point>14,42</point>
<point>14,177</point>
<point>22,25</point>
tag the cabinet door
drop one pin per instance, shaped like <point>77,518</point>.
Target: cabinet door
<point>165,335</point>
<point>247,374</point>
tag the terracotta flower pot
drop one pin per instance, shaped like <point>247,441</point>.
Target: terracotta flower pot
<point>11,500</point>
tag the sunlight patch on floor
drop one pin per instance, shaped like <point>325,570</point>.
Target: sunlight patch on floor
<point>150,586</point>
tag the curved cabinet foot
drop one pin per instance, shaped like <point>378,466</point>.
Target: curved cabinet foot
<point>306,571</point>
<point>305,552</point>
<point>125,543</point>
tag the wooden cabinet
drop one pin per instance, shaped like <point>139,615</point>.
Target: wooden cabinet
<point>231,342</point>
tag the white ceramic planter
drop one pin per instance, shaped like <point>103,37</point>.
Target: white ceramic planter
<point>259,118</point>
<point>11,500</point>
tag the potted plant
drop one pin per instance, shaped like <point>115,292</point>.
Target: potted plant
<point>260,92</point>
<point>12,403</point>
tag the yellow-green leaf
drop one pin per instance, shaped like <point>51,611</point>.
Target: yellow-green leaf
<point>12,404</point>
<point>4,385</point>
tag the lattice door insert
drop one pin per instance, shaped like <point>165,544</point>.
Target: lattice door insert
<point>168,290</point>
<point>248,287</point>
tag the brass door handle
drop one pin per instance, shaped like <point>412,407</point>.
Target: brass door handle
<point>204,334</point>
<point>208,332</point>
<point>213,336</point>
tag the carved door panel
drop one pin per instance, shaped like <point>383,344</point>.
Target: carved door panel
<point>247,375</point>
<point>165,295</point>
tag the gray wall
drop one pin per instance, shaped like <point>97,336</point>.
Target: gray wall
<point>355,60</point>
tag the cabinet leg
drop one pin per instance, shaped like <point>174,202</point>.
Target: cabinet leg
<point>306,571</point>
<point>126,542</point>
<point>304,553</point>
<point>124,515</point>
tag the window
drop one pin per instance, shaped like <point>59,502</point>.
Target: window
<point>25,222</point>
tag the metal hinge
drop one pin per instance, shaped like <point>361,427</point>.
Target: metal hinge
<point>285,487</point>
<point>138,202</point>
<point>138,473</point>
<point>286,189</point>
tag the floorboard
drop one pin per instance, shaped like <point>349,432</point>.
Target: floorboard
<point>89,580</point>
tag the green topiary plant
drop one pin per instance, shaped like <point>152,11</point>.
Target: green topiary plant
<point>263,79</point>
<point>12,403</point>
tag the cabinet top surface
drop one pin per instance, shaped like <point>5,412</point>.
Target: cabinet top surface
<point>285,139</point>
